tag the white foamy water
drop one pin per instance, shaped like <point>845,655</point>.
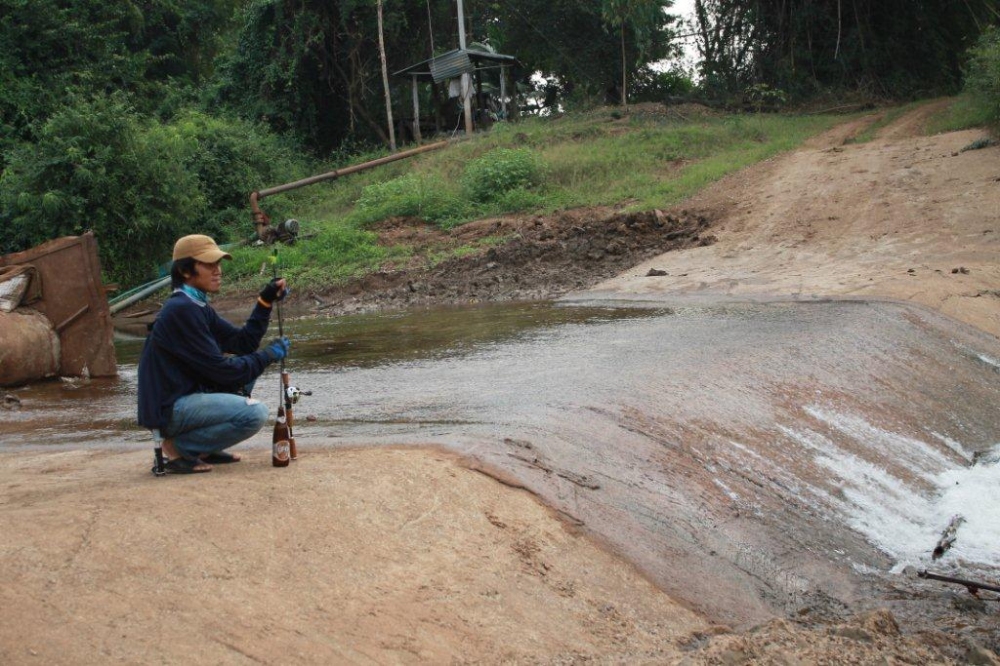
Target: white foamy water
<point>989,360</point>
<point>902,520</point>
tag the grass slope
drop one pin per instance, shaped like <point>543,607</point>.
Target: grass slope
<point>651,158</point>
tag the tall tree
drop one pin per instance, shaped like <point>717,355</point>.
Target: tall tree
<point>726,32</point>
<point>310,66</point>
<point>645,18</point>
<point>385,80</point>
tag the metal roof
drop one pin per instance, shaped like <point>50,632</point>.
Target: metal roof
<point>455,63</point>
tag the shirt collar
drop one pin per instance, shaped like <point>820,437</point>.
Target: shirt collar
<point>195,294</point>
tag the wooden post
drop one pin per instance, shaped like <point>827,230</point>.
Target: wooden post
<point>466,84</point>
<point>416,111</point>
<point>503,91</point>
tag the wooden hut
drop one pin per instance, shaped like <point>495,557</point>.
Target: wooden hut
<point>450,66</point>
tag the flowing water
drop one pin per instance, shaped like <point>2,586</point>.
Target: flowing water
<point>749,457</point>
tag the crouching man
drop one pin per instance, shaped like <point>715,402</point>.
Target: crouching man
<point>196,369</point>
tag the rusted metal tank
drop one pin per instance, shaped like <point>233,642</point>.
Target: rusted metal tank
<point>29,347</point>
<point>72,307</point>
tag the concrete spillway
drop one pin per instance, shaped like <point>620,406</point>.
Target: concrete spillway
<point>751,458</point>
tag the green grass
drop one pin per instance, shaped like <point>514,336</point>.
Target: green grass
<point>888,117</point>
<point>965,113</point>
<point>586,159</point>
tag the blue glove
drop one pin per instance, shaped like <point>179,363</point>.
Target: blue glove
<point>270,293</point>
<point>278,349</point>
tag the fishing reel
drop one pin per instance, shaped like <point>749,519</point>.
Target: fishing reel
<point>293,393</point>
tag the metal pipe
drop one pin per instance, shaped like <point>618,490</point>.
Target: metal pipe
<point>141,294</point>
<point>262,223</point>
<point>260,194</point>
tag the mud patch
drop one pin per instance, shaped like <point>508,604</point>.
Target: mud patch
<point>533,257</point>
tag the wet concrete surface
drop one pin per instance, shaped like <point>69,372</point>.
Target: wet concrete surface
<point>752,459</point>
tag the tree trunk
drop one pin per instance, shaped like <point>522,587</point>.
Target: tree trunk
<point>385,81</point>
<point>624,73</point>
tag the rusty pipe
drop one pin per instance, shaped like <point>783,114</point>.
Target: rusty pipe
<point>262,223</point>
<point>345,171</point>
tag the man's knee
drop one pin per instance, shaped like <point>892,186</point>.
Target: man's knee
<point>256,416</point>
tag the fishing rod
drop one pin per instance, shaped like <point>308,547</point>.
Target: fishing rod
<point>283,448</point>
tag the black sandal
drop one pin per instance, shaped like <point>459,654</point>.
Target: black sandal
<point>220,458</point>
<point>185,466</point>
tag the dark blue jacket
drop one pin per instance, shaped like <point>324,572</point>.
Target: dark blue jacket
<point>185,353</point>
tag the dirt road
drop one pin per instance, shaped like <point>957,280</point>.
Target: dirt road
<point>905,217</point>
<point>405,556</point>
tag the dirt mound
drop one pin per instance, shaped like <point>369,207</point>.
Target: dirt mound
<point>683,111</point>
<point>518,258</point>
<point>870,638</point>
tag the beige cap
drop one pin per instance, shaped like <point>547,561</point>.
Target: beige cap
<point>200,248</point>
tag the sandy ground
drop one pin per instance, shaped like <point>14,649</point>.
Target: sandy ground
<point>362,556</point>
<point>403,556</point>
<point>351,556</point>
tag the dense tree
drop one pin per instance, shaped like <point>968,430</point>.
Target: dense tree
<point>136,182</point>
<point>98,128</point>
<point>579,45</point>
<point>647,20</point>
<point>982,81</point>
<point>50,49</point>
<point>883,47</point>
<point>312,66</point>
<point>726,32</point>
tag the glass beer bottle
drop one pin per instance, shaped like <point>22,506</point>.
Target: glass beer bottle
<point>280,454</point>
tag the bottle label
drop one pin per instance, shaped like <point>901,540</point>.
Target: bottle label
<point>280,450</point>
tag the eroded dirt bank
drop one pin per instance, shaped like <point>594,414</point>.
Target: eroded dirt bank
<point>518,258</point>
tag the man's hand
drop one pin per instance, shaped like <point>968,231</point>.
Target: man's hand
<point>275,290</point>
<point>278,349</point>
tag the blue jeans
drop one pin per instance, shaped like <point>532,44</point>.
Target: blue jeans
<point>208,422</point>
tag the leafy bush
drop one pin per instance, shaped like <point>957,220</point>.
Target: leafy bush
<point>518,199</point>
<point>499,171</point>
<point>138,184</point>
<point>982,75</point>
<point>231,158</point>
<point>411,195</point>
<point>97,165</point>
<point>649,85</point>
<point>761,95</point>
